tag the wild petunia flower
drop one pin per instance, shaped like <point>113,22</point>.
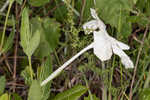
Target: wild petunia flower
<point>104,46</point>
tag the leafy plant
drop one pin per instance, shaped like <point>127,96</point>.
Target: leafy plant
<point>44,72</point>
<point>71,94</point>
<point>38,36</point>
<point>29,40</point>
<point>50,33</point>
<point>116,15</point>
<point>9,43</point>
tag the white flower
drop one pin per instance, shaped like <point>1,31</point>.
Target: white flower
<point>105,45</point>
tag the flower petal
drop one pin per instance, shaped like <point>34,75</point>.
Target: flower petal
<point>102,46</point>
<point>90,26</point>
<point>100,22</point>
<point>93,13</point>
<point>126,61</point>
<point>120,44</point>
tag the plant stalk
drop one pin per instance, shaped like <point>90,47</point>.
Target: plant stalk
<point>30,66</point>
<point>104,88</point>
<point>5,24</point>
<point>74,10</point>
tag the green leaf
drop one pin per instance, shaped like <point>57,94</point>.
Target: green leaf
<point>36,24</point>
<point>43,48</point>
<point>38,3</point>
<point>141,20</point>
<point>115,13</point>
<point>71,94</point>
<point>9,42</point>
<point>93,98</point>
<point>88,4</point>
<point>60,12</point>
<point>52,32</point>
<point>16,96</point>
<point>5,97</point>
<point>29,41</point>
<point>49,38</point>
<point>2,84</point>
<point>25,34</point>
<point>145,94</point>
<point>44,72</point>
<point>141,5</point>
<point>35,92</point>
<point>19,1</point>
<point>26,75</point>
<point>34,42</point>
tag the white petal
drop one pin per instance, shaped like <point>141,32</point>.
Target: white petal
<point>93,13</point>
<point>90,26</point>
<point>95,16</point>
<point>126,61</point>
<point>122,45</point>
<point>102,46</point>
<point>119,44</point>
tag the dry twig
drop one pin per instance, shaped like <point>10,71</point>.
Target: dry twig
<point>137,61</point>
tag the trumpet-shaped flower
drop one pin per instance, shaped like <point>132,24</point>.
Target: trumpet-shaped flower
<point>105,45</point>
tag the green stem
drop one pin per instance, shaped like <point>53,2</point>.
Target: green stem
<point>111,77</point>
<point>30,66</point>
<point>121,76</point>
<point>104,90</point>
<point>86,82</point>
<point>73,9</point>
<point>5,24</point>
<point>57,59</point>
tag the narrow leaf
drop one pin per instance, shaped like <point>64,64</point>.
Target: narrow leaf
<point>16,96</point>
<point>25,30</point>
<point>45,71</point>
<point>71,94</point>
<point>2,84</point>
<point>9,42</point>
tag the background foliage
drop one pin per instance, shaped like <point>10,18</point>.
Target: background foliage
<point>38,36</point>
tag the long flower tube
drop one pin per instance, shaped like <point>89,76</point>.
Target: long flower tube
<point>59,70</point>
